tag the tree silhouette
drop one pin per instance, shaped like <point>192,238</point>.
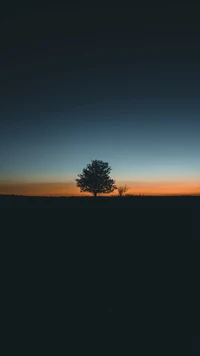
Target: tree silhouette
<point>122,190</point>
<point>95,178</point>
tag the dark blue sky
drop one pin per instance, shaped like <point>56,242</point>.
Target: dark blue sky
<point>121,85</point>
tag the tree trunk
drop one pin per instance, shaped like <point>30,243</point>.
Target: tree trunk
<point>95,194</point>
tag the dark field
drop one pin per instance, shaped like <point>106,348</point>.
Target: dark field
<point>171,202</point>
<point>109,265</point>
<point>169,216</point>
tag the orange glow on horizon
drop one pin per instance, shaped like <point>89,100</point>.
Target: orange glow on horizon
<point>70,189</point>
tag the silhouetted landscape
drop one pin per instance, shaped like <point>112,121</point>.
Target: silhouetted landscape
<point>112,261</point>
<point>171,202</point>
<point>100,177</point>
<point>172,216</point>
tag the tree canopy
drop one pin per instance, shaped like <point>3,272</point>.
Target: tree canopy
<point>95,178</point>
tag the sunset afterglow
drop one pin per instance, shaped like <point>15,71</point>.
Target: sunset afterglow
<point>88,89</point>
<point>70,189</point>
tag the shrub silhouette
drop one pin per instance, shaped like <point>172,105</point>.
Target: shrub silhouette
<point>95,178</point>
<point>122,190</point>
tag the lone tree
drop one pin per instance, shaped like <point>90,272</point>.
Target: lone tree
<point>122,190</point>
<point>95,178</point>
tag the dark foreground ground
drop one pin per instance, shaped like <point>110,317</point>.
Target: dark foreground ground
<point>170,215</point>
<point>185,202</point>
<point>104,271</point>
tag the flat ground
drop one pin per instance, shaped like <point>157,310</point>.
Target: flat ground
<point>185,202</point>
<point>121,263</point>
<point>153,216</point>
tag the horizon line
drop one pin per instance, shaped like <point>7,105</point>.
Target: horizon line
<point>99,196</point>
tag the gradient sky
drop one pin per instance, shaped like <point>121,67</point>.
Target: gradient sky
<point>120,85</point>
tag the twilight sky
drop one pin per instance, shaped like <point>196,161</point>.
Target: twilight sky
<point>119,85</point>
